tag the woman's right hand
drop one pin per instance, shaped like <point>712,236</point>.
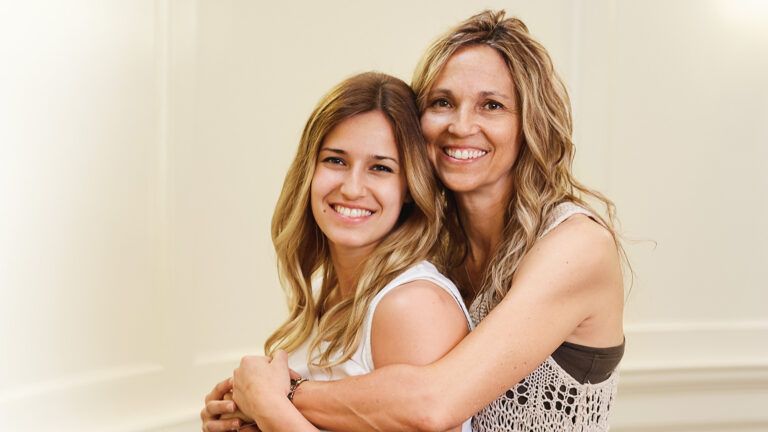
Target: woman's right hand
<point>237,414</point>
<point>216,405</point>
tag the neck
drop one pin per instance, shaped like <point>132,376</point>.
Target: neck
<point>348,264</point>
<point>483,216</point>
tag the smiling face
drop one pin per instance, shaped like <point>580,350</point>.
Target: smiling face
<point>358,188</point>
<point>471,122</point>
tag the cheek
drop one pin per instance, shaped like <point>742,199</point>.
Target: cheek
<point>432,154</point>
<point>429,129</point>
<point>514,133</point>
<point>511,134</point>
<point>396,196</point>
<point>431,125</point>
<point>317,190</point>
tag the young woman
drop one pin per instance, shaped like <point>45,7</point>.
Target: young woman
<point>358,215</point>
<point>540,269</point>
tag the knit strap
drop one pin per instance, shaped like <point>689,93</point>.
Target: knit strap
<point>562,212</point>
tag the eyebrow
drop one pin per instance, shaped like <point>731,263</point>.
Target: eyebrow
<point>482,93</point>
<point>377,157</point>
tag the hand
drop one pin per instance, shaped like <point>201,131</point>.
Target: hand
<point>261,384</point>
<point>217,405</point>
<point>237,414</point>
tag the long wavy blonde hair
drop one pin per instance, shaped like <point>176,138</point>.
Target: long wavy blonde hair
<point>301,247</point>
<point>542,176</point>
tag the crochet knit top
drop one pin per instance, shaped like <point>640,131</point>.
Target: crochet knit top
<point>549,398</point>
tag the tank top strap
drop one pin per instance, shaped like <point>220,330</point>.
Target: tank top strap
<point>562,212</point>
<point>424,270</point>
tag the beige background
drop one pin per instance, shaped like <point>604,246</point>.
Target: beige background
<point>143,144</point>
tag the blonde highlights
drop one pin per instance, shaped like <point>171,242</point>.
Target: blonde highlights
<point>301,247</point>
<point>542,176</point>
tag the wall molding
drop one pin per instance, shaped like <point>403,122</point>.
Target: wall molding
<point>695,378</point>
<point>734,426</point>
<point>79,380</point>
<point>695,345</point>
<point>717,398</point>
<point>679,344</point>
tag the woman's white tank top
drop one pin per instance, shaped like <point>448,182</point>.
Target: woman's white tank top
<point>361,361</point>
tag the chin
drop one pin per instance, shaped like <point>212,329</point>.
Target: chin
<point>460,184</point>
<point>350,241</point>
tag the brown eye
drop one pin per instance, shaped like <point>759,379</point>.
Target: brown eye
<point>493,106</point>
<point>334,160</point>
<point>382,168</point>
<point>440,103</point>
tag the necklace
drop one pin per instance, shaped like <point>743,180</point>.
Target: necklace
<point>472,289</point>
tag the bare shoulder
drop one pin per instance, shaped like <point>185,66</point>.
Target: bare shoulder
<point>577,255</point>
<point>582,233</point>
<point>416,323</point>
<point>574,273</point>
<point>416,294</point>
<point>418,304</point>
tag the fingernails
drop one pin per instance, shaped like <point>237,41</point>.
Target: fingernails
<point>231,407</point>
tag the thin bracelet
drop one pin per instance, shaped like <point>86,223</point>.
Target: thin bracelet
<point>295,383</point>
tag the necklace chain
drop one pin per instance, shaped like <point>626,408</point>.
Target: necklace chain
<point>473,290</point>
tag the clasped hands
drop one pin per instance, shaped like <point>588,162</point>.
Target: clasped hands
<point>248,399</point>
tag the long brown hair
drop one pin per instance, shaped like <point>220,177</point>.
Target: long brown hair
<point>542,174</point>
<point>302,249</point>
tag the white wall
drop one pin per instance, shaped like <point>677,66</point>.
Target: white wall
<point>143,145</point>
<point>685,160</point>
<point>79,213</point>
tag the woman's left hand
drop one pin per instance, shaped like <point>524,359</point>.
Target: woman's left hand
<point>261,384</point>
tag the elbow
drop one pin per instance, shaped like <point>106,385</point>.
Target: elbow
<point>429,404</point>
<point>433,413</point>
<point>431,422</point>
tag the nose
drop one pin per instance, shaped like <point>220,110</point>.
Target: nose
<point>353,185</point>
<point>463,123</point>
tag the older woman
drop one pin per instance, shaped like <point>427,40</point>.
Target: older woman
<point>540,269</point>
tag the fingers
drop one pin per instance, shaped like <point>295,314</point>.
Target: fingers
<point>280,357</point>
<point>216,405</point>
<point>237,414</point>
<point>219,391</point>
<point>217,408</point>
<point>222,425</point>
<point>252,359</point>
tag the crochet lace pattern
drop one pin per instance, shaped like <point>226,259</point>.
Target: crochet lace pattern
<point>548,399</point>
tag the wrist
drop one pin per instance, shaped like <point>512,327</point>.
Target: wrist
<point>281,415</point>
<point>300,393</point>
<point>295,383</point>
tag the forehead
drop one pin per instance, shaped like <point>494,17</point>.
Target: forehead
<point>475,68</point>
<point>363,133</point>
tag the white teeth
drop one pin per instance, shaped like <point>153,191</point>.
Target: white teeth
<point>464,154</point>
<point>352,212</point>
